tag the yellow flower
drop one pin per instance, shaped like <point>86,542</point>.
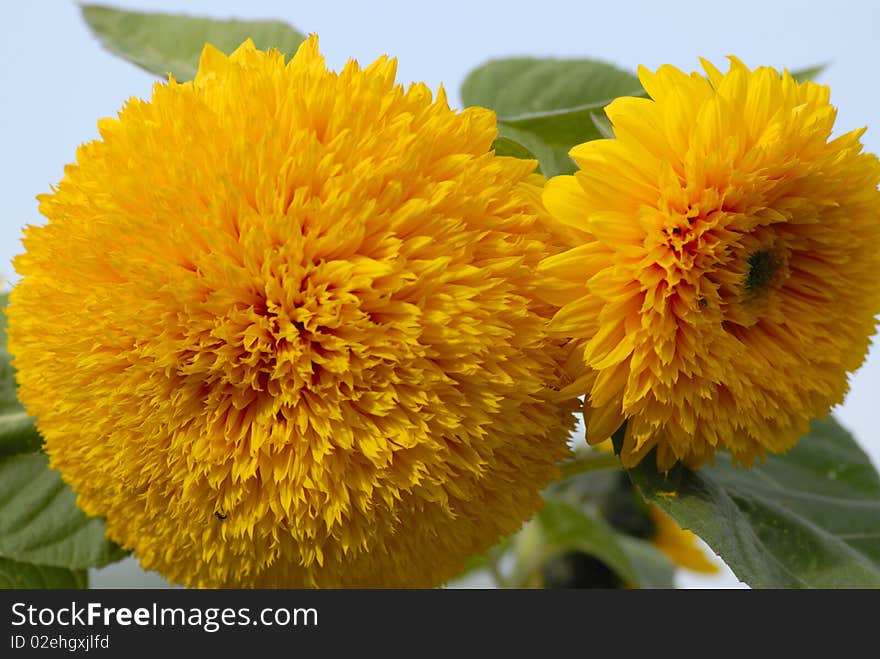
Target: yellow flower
<point>721,280</point>
<point>280,328</point>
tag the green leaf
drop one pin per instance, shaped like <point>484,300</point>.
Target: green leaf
<point>520,86</point>
<point>14,574</point>
<point>565,528</point>
<point>505,146</point>
<point>40,523</point>
<point>530,142</point>
<point>808,74</point>
<point>808,519</point>
<point>552,134</point>
<point>603,125</point>
<point>17,431</point>
<point>546,105</point>
<point>172,43</point>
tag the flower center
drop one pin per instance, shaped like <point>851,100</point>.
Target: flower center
<point>762,267</point>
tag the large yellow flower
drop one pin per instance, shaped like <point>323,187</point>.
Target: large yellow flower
<point>280,328</point>
<point>723,273</point>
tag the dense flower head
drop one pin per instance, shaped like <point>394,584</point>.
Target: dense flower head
<point>280,328</point>
<point>722,276</point>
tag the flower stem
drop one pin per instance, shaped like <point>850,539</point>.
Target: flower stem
<point>590,462</point>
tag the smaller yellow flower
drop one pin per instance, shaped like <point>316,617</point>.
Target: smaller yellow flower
<point>721,283</point>
<point>680,545</point>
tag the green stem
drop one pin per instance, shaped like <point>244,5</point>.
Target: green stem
<point>591,462</point>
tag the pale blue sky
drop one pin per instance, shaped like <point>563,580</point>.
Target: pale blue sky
<point>56,81</point>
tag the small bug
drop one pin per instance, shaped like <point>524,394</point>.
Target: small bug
<point>219,515</point>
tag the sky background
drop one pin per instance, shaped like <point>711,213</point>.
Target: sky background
<point>56,82</point>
